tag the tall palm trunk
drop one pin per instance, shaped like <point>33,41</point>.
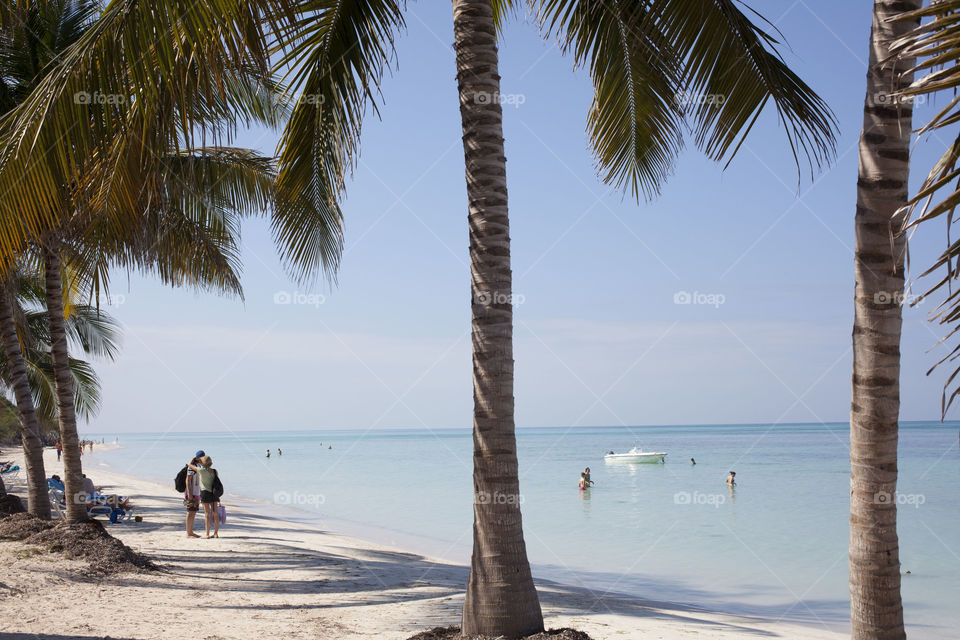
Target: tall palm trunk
<point>876,609</point>
<point>72,471</point>
<point>501,599</point>
<point>39,503</point>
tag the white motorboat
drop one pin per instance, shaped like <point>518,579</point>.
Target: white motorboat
<point>636,456</point>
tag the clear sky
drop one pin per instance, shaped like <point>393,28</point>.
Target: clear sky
<point>599,339</point>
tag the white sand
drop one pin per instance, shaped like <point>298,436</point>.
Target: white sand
<point>271,578</point>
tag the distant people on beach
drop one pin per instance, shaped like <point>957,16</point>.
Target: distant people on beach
<point>191,495</point>
<point>587,482</point>
<point>279,451</point>
<point>268,453</point>
<point>59,446</point>
<point>208,497</point>
<point>732,478</point>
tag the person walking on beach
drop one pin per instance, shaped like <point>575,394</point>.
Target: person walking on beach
<point>59,446</point>
<point>191,496</point>
<point>208,498</point>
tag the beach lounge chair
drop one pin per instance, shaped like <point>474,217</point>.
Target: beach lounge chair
<point>59,504</point>
<point>10,471</point>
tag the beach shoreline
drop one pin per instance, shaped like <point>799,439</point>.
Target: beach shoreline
<point>271,576</point>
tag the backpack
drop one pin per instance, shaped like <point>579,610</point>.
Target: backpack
<point>217,485</point>
<point>180,482</point>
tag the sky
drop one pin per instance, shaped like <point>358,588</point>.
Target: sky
<point>762,254</point>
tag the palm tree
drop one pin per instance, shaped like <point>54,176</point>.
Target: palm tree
<point>32,36</point>
<point>30,434</point>
<point>28,371</point>
<point>181,197</point>
<point>656,68</point>
<point>876,609</point>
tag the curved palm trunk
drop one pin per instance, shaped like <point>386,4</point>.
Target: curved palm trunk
<point>501,599</point>
<point>72,471</point>
<point>39,503</point>
<point>876,609</point>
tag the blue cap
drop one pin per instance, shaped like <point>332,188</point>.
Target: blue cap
<point>199,454</point>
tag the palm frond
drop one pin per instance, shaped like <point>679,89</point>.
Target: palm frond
<point>930,54</point>
<point>662,65</point>
<point>337,54</point>
<point>145,78</point>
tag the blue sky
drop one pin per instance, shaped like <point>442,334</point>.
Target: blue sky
<point>599,338</point>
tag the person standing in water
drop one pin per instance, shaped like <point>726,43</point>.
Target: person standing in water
<point>732,478</point>
<point>279,451</point>
<point>692,461</point>
<point>586,477</point>
<point>268,453</point>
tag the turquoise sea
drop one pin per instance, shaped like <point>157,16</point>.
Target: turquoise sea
<point>775,546</point>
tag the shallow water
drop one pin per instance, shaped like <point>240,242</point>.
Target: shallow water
<point>774,546</point>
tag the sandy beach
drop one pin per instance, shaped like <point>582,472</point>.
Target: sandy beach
<point>268,577</point>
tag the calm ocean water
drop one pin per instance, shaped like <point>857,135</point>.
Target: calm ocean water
<point>775,546</point>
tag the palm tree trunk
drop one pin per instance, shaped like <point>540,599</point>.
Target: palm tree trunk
<point>72,471</point>
<point>876,609</point>
<point>39,503</point>
<point>501,599</point>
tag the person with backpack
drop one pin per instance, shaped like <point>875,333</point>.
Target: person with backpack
<point>210,491</point>
<point>188,483</point>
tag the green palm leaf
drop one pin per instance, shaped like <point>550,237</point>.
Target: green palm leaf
<point>662,65</point>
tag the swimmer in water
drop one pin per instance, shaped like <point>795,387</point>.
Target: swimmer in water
<point>732,478</point>
<point>583,481</point>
